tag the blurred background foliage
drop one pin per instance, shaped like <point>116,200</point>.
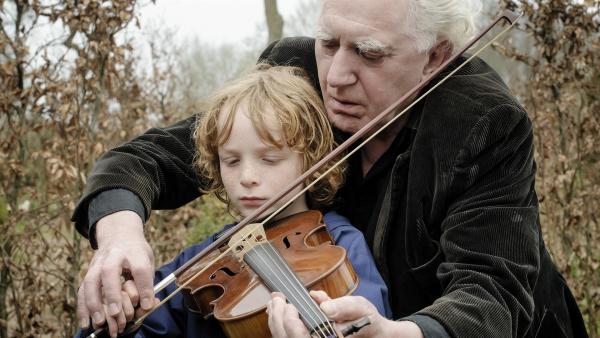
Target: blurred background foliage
<point>66,98</point>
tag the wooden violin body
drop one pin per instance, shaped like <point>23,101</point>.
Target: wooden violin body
<point>233,293</point>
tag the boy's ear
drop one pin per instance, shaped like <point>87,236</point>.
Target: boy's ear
<point>437,55</point>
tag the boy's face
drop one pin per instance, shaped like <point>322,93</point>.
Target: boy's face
<point>254,171</point>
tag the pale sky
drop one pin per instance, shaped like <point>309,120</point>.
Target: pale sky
<point>212,20</point>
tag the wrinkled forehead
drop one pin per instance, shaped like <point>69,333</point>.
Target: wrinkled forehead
<point>364,18</point>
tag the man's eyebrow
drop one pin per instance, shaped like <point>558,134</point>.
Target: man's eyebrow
<point>364,45</point>
<point>372,45</point>
<point>322,35</point>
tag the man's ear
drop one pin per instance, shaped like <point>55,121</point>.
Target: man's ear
<point>437,55</point>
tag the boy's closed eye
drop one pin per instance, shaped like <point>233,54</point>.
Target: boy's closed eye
<point>272,160</point>
<point>230,161</point>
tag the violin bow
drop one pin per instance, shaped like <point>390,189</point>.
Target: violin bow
<point>509,16</point>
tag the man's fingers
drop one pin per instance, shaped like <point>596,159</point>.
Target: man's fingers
<point>142,270</point>
<point>111,283</point>
<point>92,295</point>
<point>82,311</point>
<point>121,320</point>
<point>140,312</point>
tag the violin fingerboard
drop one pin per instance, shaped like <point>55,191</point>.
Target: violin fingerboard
<point>276,274</point>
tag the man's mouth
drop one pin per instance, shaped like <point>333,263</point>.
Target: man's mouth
<point>341,106</point>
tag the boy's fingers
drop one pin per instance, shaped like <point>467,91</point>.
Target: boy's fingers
<point>112,325</point>
<point>132,292</point>
<point>348,308</point>
<point>319,296</point>
<point>128,307</point>
<point>275,309</point>
<point>284,321</point>
<point>292,325</point>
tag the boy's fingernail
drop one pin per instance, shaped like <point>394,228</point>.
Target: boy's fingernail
<point>84,323</point>
<point>113,309</point>
<point>98,319</point>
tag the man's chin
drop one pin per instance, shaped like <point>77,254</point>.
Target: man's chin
<point>345,126</point>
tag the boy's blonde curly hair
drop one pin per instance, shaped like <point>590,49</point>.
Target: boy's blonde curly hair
<point>287,95</point>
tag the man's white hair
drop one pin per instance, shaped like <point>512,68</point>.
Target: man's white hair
<point>430,21</point>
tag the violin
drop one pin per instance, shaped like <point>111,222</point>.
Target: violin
<point>292,255</point>
<point>232,281</point>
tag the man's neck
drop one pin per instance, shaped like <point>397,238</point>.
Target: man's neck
<point>374,149</point>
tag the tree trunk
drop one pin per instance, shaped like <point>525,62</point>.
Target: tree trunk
<point>274,21</point>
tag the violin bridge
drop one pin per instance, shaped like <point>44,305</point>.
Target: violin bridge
<point>246,239</point>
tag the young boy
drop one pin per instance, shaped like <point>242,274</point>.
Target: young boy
<point>257,135</point>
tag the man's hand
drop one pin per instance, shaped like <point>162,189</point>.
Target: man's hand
<point>122,249</point>
<point>284,320</point>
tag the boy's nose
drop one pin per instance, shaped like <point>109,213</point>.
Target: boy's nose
<point>249,176</point>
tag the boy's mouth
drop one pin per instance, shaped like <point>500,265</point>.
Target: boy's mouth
<point>252,201</point>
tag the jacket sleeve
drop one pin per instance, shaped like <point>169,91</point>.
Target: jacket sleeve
<point>490,236</point>
<point>156,166</point>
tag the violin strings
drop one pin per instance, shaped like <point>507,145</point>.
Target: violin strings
<point>418,99</point>
<point>300,291</point>
<point>275,263</point>
<point>318,312</point>
<point>312,306</point>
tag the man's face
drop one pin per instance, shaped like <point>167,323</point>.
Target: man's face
<point>365,59</point>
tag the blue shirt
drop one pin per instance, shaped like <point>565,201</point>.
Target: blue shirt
<point>173,319</point>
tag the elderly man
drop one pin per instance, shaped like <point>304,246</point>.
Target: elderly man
<point>445,197</point>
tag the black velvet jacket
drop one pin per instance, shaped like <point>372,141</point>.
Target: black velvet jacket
<point>457,233</point>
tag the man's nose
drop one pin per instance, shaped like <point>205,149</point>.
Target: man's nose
<point>249,175</point>
<point>342,70</point>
